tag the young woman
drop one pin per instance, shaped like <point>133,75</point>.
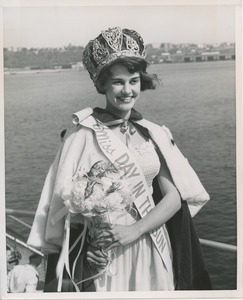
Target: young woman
<point>115,202</point>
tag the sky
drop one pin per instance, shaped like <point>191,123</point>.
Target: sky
<point>58,26</point>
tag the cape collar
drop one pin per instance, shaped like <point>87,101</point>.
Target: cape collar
<point>110,119</point>
<point>106,116</point>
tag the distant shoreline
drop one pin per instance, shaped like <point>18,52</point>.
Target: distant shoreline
<point>19,72</point>
<point>23,71</point>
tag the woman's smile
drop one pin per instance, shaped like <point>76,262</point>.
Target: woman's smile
<point>125,99</point>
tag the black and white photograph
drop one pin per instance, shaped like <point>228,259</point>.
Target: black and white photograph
<point>121,127</point>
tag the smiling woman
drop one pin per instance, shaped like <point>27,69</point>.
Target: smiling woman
<point>117,203</point>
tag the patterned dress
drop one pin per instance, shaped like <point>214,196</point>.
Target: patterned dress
<point>137,266</point>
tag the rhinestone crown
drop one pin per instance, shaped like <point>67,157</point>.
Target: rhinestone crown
<point>110,45</point>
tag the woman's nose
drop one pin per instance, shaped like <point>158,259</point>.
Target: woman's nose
<point>126,88</point>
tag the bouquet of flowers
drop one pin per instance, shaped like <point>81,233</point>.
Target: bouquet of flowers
<point>98,193</point>
<point>102,194</point>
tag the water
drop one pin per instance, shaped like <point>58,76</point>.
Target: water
<point>196,101</point>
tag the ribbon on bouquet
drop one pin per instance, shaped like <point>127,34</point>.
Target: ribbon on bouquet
<point>119,155</point>
<point>106,269</point>
<point>63,261</point>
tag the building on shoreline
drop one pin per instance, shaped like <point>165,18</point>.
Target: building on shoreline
<point>168,53</point>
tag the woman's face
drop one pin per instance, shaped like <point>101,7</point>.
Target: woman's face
<point>122,90</point>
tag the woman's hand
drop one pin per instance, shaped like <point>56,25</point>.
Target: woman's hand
<point>116,235</point>
<point>96,257</point>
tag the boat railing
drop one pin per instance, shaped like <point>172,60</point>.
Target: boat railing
<point>24,244</point>
<point>15,214</point>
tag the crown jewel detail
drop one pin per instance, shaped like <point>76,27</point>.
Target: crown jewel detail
<point>113,37</point>
<point>131,44</point>
<point>99,51</point>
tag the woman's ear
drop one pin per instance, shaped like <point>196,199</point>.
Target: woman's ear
<point>100,89</point>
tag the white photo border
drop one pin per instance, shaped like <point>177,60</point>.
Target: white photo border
<point>132,295</point>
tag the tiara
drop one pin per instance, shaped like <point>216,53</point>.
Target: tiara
<point>110,45</point>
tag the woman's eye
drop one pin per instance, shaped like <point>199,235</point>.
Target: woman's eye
<point>135,80</point>
<point>120,82</point>
<point>117,82</point>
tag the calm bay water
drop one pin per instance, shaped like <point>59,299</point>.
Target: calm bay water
<point>195,100</point>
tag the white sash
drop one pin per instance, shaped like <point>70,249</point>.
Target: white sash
<point>120,155</point>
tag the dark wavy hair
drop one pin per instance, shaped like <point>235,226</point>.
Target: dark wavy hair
<point>133,64</point>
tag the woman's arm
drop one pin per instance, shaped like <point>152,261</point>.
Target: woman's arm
<point>160,214</point>
<point>166,208</point>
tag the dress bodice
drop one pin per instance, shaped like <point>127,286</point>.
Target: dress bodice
<point>143,150</point>
<point>148,160</point>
